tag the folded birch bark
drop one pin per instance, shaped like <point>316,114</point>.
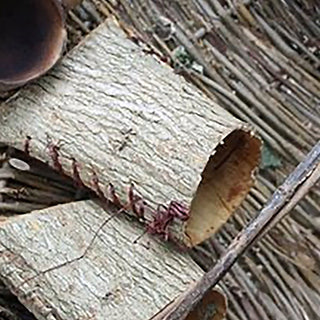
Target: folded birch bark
<point>128,118</point>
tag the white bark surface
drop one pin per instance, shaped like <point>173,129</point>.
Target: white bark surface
<point>115,279</point>
<point>130,119</point>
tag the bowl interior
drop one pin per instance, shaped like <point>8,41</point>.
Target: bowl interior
<point>32,36</point>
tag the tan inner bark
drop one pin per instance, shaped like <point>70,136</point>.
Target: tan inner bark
<point>226,180</point>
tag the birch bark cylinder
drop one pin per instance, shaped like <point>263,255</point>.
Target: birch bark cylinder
<point>123,115</point>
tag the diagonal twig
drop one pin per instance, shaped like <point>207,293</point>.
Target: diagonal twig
<point>285,197</point>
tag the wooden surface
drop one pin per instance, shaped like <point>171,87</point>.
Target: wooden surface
<point>296,292</point>
<point>287,298</point>
<point>124,130</point>
<point>115,279</point>
<point>123,115</point>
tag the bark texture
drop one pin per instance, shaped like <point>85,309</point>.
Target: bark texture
<point>46,268</point>
<point>261,68</point>
<point>122,115</point>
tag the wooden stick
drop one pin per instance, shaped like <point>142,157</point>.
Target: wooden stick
<point>303,177</point>
<point>3,182</point>
<point>299,194</point>
<point>21,207</point>
<point>35,181</point>
<point>34,195</point>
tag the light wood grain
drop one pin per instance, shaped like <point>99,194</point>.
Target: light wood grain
<point>130,119</point>
<point>42,261</point>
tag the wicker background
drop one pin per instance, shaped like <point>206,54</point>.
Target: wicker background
<point>261,61</point>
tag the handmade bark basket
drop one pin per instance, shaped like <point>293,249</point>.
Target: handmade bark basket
<point>128,119</point>
<point>32,36</point>
<point>124,118</point>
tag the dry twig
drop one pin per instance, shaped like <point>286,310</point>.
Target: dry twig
<point>286,196</point>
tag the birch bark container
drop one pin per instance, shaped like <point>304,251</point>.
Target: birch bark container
<point>130,119</point>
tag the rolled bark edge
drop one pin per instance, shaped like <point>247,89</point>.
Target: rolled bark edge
<point>226,180</point>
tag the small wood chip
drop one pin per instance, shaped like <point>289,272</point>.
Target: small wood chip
<point>19,164</point>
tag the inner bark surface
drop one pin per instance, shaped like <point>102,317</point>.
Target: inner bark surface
<point>226,179</point>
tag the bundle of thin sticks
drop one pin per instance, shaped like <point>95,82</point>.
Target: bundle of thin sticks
<point>27,184</point>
